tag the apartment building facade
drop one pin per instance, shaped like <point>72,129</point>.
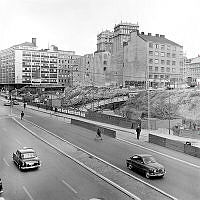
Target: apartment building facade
<point>192,70</point>
<point>25,64</point>
<point>152,58</point>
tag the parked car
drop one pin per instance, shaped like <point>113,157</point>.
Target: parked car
<point>26,158</point>
<point>7,103</point>
<point>146,164</point>
<point>1,186</point>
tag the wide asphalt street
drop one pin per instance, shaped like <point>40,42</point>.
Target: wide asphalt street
<point>182,179</point>
<point>58,178</point>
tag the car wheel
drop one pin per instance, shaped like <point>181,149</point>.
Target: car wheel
<point>147,175</point>
<point>130,166</point>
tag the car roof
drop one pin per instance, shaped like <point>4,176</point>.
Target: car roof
<point>26,150</point>
<point>143,155</point>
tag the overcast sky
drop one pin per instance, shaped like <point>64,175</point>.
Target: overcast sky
<point>74,24</point>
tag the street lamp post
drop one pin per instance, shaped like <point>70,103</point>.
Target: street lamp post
<point>169,112</point>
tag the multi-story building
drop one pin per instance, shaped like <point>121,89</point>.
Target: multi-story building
<point>102,69</point>
<point>68,64</point>
<point>25,64</point>
<point>192,70</point>
<point>104,41</point>
<point>121,36</point>
<point>152,58</point>
<point>83,73</point>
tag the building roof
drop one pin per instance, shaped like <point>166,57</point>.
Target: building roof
<point>29,44</point>
<point>158,39</point>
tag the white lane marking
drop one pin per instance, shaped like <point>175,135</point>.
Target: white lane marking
<point>171,157</point>
<point>27,192</point>
<point>6,162</point>
<point>69,186</point>
<point>18,141</point>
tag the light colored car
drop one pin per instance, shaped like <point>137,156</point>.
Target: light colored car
<point>26,158</point>
<point>7,103</point>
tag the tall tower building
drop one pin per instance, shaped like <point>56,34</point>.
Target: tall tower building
<point>122,33</point>
<point>104,41</point>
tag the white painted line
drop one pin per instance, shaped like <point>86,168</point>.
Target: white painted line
<point>69,186</point>
<point>18,141</point>
<point>171,157</point>
<point>27,192</point>
<point>6,162</point>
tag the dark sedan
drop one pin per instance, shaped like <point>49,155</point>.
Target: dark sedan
<point>146,164</point>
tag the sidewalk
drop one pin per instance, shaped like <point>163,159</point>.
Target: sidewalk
<point>128,134</point>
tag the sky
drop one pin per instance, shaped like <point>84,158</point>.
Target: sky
<point>73,25</point>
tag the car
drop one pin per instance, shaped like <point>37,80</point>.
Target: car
<point>15,102</point>
<point>7,103</point>
<point>1,186</point>
<point>26,158</point>
<point>146,164</point>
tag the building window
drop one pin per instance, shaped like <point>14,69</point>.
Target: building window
<point>174,48</point>
<point>168,69</point>
<point>156,46</point>
<point>150,76</point>
<point>162,62</point>
<point>156,69</point>
<point>168,62</point>
<point>150,45</point>
<point>168,55</point>
<point>151,53</point>
<point>173,62</point>
<point>173,55</point>
<point>156,53</point>
<point>168,47</point>
<point>150,68</point>
<point>156,61</point>
<point>155,76</point>
<point>162,54</point>
<point>173,69</point>
<point>162,47</point>
<point>105,62</point>
<point>162,69</point>
<point>162,76</point>
<point>151,60</point>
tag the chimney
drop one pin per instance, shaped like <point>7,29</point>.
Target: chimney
<point>142,33</point>
<point>34,41</point>
<point>162,36</point>
<point>149,34</point>
<point>157,35</point>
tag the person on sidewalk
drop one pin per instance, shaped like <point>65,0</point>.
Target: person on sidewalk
<point>138,131</point>
<point>22,115</point>
<point>24,105</point>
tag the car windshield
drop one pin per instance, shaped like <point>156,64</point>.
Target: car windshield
<point>149,159</point>
<point>28,155</point>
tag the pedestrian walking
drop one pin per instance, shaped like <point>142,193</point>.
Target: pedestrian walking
<point>138,130</point>
<point>24,105</point>
<point>99,134</point>
<point>22,115</point>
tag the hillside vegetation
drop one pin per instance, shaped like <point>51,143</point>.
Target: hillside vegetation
<point>168,103</point>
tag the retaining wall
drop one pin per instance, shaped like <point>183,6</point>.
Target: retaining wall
<point>175,145</point>
<point>94,127</point>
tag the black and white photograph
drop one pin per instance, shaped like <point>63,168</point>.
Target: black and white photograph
<point>99,100</point>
